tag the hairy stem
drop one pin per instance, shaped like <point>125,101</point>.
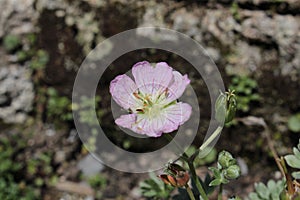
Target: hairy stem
<point>196,180</point>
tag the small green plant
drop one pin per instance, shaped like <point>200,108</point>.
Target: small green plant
<point>40,164</point>
<point>58,107</point>
<point>10,189</point>
<point>293,161</point>
<point>98,181</point>
<point>11,42</point>
<point>26,50</point>
<point>234,9</point>
<point>271,191</point>
<point>294,123</point>
<point>154,188</point>
<point>244,88</point>
<point>39,60</point>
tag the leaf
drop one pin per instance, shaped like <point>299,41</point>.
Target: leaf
<point>272,186</point>
<point>262,190</point>
<point>253,196</point>
<point>294,123</point>
<point>292,161</point>
<point>150,193</point>
<point>296,175</point>
<point>216,172</point>
<point>296,152</point>
<point>215,182</point>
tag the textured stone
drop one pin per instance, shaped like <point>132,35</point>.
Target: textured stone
<point>221,25</point>
<point>280,30</point>
<point>244,60</point>
<point>185,21</point>
<point>258,27</point>
<point>17,17</point>
<point>16,93</point>
<point>89,166</point>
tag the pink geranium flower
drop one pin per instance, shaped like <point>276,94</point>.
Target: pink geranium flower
<point>151,99</point>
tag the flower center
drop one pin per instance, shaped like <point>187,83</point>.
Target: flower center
<point>153,111</point>
<point>151,106</point>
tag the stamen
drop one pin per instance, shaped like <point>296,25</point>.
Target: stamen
<point>137,95</point>
<point>167,92</point>
<point>140,110</point>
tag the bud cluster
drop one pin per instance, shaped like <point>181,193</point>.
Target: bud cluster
<point>226,170</point>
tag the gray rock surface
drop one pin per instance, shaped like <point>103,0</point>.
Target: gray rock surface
<point>16,93</point>
<point>89,166</point>
<point>17,17</point>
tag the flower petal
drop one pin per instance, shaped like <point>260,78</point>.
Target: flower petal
<point>152,127</point>
<point>126,121</point>
<point>176,115</point>
<point>140,124</point>
<point>152,80</point>
<point>177,87</point>
<point>169,120</point>
<point>122,89</point>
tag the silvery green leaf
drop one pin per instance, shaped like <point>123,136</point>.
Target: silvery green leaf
<point>292,161</point>
<point>262,190</point>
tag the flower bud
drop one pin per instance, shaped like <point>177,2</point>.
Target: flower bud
<point>231,106</point>
<point>225,107</point>
<point>232,172</point>
<point>225,159</point>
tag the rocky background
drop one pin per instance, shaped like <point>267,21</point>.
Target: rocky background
<point>43,43</point>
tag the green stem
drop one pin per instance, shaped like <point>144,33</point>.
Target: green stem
<point>211,138</point>
<point>220,192</point>
<point>207,142</point>
<point>190,192</point>
<point>196,180</point>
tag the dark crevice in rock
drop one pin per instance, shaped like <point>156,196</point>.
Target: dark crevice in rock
<point>6,100</point>
<point>118,18</point>
<point>55,32</point>
<point>279,7</point>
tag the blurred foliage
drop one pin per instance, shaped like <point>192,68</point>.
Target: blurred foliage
<point>154,188</point>
<point>98,182</point>
<point>293,161</point>
<point>271,191</point>
<point>10,189</point>
<point>86,110</point>
<point>294,123</point>
<point>26,50</point>
<point>58,107</point>
<point>234,9</point>
<point>39,60</point>
<point>245,90</point>
<point>11,42</point>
